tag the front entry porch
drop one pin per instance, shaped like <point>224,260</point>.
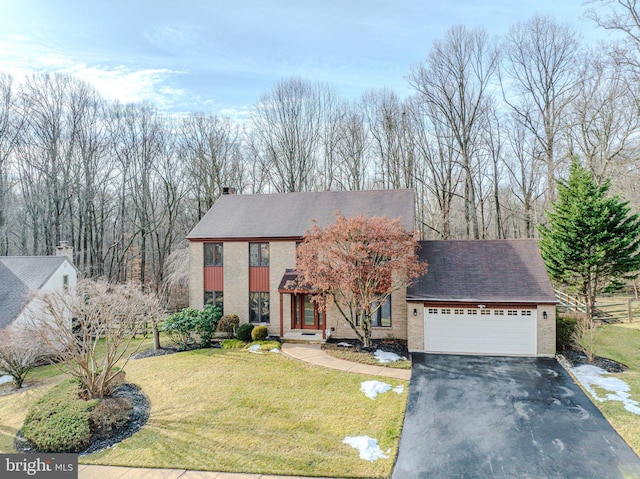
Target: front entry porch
<point>301,318</point>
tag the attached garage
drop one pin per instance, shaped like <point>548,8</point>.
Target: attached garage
<point>487,330</point>
<point>486,297</point>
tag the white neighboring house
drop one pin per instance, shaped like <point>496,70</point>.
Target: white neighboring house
<point>23,277</point>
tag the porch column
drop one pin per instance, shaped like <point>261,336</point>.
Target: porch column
<point>281,314</point>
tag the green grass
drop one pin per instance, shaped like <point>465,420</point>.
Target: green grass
<point>621,342</point>
<point>230,410</point>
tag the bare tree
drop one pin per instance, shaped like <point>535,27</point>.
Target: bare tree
<point>620,16</point>
<point>287,123</point>
<point>455,81</point>
<point>210,147</point>
<point>90,330</point>
<point>352,150</point>
<point>19,353</point>
<point>540,79</point>
<point>9,130</point>
<point>604,119</point>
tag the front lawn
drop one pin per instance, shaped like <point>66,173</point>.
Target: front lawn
<point>236,411</point>
<point>621,342</point>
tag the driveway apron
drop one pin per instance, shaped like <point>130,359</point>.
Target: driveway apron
<point>500,417</point>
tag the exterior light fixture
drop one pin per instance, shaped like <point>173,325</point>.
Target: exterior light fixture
<point>544,315</point>
<point>415,311</point>
<point>482,306</point>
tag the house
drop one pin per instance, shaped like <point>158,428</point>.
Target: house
<point>23,276</point>
<point>242,257</point>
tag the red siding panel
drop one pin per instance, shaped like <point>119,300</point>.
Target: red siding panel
<point>213,278</point>
<point>259,278</point>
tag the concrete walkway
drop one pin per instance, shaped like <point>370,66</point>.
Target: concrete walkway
<point>309,353</point>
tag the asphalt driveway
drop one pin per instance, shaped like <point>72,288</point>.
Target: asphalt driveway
<point>497,417</point>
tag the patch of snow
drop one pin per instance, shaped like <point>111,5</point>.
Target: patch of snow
<point>274,350</point>
<point>387,357</point>
<point>367,446</point>
<point>6,379</point>
<point>592,376</point>
<point>345,345</point>
<point>255,348</point>
<point>371,389</point>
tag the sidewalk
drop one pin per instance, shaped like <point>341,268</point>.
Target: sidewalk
<point>116,472</point>
<point>309,353</point>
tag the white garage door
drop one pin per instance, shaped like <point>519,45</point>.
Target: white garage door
<point>503,332</point>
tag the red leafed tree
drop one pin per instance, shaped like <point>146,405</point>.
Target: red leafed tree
<point>356,263</point>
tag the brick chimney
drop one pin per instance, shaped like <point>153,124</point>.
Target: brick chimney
<point>64,249</point>
<point>228,190</point>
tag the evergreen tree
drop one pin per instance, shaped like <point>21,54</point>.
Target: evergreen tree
<point>591,241</point>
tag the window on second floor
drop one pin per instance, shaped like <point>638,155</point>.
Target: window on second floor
<point>65,281</point>
<point>213,254</point>
<point>258,254</point>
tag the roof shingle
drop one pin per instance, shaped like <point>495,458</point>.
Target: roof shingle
<point>290,215</point>
<point>498,271</point>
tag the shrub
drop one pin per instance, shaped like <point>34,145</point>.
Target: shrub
<point>232,344</point>
<point>111,413</point>
<point>244,331</point>
<point>565,332</point>
<point>228,324</point>
<point>60,420</point>
<point>192,326</point>
<point>208,323</point>
<point>181,327</point>
<point>259,333</point>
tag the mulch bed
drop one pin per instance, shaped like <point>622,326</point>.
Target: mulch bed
<point>578,358</point>
<point>397,346</point>
<point>140,410</point>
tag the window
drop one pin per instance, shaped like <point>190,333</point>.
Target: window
<point>433,310</point>
<point>472,311</point>
<point>512,312</point>
<point>214,297</point>
<point>65,282</point>
<point>259,307</point>
<point>458,311</point>
<point>258,254</point>
<point>446,311</point>
<point>213,254</point>
<point>526,312</point>
<point>382,317</point>
<point>499,312</point>
<point>485,312</point>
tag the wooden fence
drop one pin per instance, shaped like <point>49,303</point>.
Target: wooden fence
<point>622,310</point>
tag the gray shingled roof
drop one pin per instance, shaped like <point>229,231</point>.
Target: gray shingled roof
<point>498,271</point>
<point>289,215</point>
<point>19,276</point>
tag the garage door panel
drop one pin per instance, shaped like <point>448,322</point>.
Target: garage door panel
<point>480,334</point>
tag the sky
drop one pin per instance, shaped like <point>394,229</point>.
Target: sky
<point>220,56</point>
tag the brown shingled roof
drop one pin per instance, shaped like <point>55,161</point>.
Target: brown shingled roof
<point>499,271</point>
<point>289,215</point>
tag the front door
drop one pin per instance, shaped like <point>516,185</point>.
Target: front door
<point>306,314</point>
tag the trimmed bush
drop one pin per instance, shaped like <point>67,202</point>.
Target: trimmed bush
<point>232,344</point>
<point>228,324</point>
<point>259,333</point>
<point>244,332</point>
<point>60,420</point>
<point>565,331</point>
